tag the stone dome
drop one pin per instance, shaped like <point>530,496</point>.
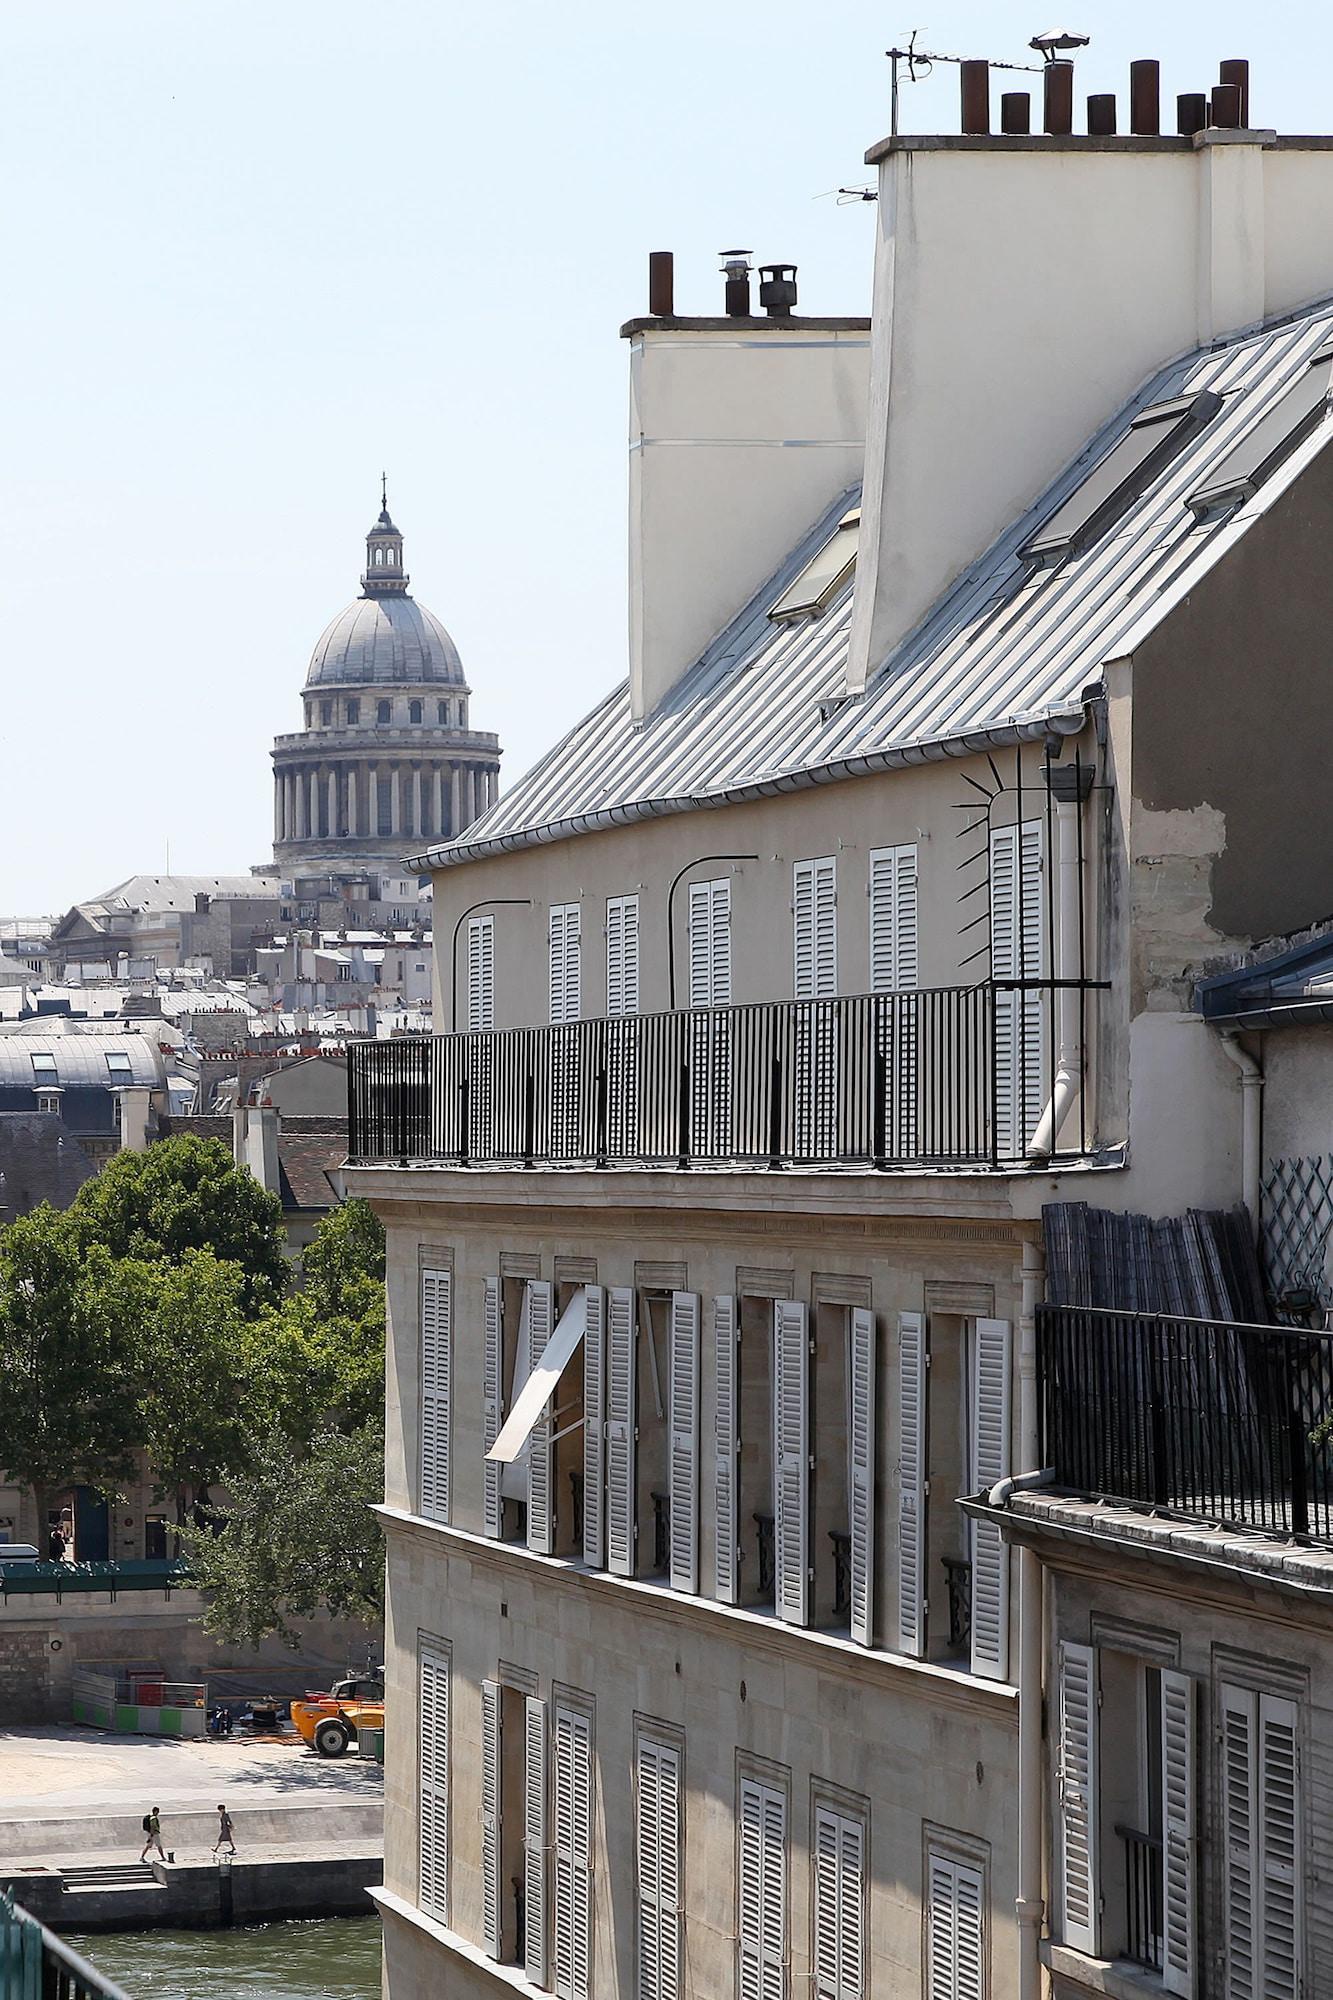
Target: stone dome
<point>385,639</point>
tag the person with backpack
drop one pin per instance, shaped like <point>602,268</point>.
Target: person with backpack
<point>224,1831</point>
<point>152,1827</point>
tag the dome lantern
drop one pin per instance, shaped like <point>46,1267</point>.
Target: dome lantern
<point>384,574</point>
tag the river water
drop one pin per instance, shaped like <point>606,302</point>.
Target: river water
<point>326,1958</point>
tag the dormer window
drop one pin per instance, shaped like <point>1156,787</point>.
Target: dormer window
<point>819,582</point>
<point>1136,458</point>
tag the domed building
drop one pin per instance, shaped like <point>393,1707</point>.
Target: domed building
<point>386,761</point>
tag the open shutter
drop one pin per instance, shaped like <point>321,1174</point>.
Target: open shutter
<point>893,925</point>
<point>539,1438</point>
<point>990,1463</point>
<point>1179,1945</point>
<point>622,955</point>
<point>657,1856</point>
<point>1281,1960</point>
<point>1079,1808</point>
<point>762,1892</point>
<point>433,1758</point>
<point>791,1460</point>
<point>534,1841</point>
<point>573,1853</point>
<point>490,1407</point>
<point>1017,951</point>
<point>955,1929</point>
<point>490,1817</point>
<point>815,928</point>
<point>839,1905</point>
<point>911,1484</point>
<point>1241,1889</point>
<point>436,1355</point>
<point>481,975</point>
<point>726,1451</point>
<point>621,1414</point>
<point>861,1452</point>
<point>684,1470</point>
<point>594,1420</point>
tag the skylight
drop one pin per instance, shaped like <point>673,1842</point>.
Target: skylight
<point>814,589</point>
<point>43,1065</point>
<point>118,1062</point>
<point>1129,467</point>
<point>1267,443</point>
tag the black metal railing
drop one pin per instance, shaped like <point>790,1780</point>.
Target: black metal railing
<point>1143,1897</point>
<point>942,1076</point>
<point>1216,1419</point>
<point>36,1965</point>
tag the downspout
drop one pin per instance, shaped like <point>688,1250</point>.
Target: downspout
<point>1070,785</point>
<point>1028,1904</point>
<point>1251,1123</point>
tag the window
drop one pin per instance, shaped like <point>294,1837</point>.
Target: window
<point>326,712</point>
<point>118,1065</point>
<point>683,1477</point>
<point>44,1066</point>
<point>622,955</point>
<point>383,711</point>
<point>989,1426</point>
<point>761,1892</point>
<point>414,711</point>
<point>1153,439</point>
<point>344,971</point>
<point>480,975</point>
<point>814,928</point>
<point>354,711</point>
<point>658,1830</point>
<point>436,1366</point>
<point>49,1100</point>
<point>839,1903</point>
<point>956,1943</point>
<point>820,580</point>
<point>513,1828</point>
<point>573,1852</point>
<point>379,559</point>
<point>791,1451</point>
<point>1268,442</point>
<point>1017,952</point>
<point>1263,1859</point>
<point>433,1762</point>
<point>710,943</point>
<point>537,1378</point>
<point>564,967</point>
<point>441,711</point>
<point>384,805</point>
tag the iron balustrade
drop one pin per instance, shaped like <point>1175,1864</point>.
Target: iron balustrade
<point>36,1965</point>
<point>1143,1897</point>
<point>1215,1419</point>
<point>929,1077</point>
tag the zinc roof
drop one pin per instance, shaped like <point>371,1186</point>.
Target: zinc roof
<point>1008,651</point>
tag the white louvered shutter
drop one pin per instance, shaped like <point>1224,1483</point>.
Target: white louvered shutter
<point>573,1853</point>
<point>622,955</point>
<point>684,1469</point>
<point>481,975</point>
<point>490,1817</point>
<point>657,1869</point>
<point>1179,1937</point>
<point>1281,1934</point>
<point>815,928</point>
<point>436,1357</point>
<point>433,1748</point>
<point>762,1892</point>
<point>955,1929</point>
<point>710,943</point>
<point>534,1841</point>
<point>912,1484</point>
<point>1018,951</point>
<point>861,1470</point>
<point>839,1906</point>
<point>1080,1867</point>
<point>491,1412</point>
<point>594,1430</point>
<point>990,1463</point>
<point>1242,1898</point>
<point>791,1460</point>
<point>566,951</point>
<point>540,1314</point>
<point>893,925</point>
<point>621,1418</point>
<point>726,1451</point>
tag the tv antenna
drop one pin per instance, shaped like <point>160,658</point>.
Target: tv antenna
<point>920,62</point>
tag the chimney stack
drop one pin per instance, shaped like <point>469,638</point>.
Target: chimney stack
<point>1101,116</point>
<point>777,289</point>
<point>1237,71</point>
<point>974,81</point>
<point>1224,108</point>
<point>1015,111</point>
<point>1145,98</point>
<point>1058,89</point>
<point>661,284</point>
<point>736,269</point>
<point>1191,113</point>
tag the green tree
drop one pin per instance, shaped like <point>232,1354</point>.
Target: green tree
<point>194,1357</point>
<point>318,1358</point>
<point>185,1194</point>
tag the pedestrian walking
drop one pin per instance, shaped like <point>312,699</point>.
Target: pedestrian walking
<point>224,1830</point>
<point>152,1827</point>
<point>55,1544</point>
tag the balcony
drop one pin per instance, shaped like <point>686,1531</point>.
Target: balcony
<point>1213,1420</point>
<point>35,1965</point>
<point>940,1077</point>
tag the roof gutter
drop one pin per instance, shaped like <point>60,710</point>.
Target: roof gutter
<point>870,763</point>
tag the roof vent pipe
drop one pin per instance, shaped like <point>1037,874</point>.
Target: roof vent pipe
<point>974,82</point>
<point>1101,116</point>
<point>1237,71</point>
<point>661,284</point>
<point>1145,97</point>
<point>1224,107</point>
<point>736,269</point>
<point>1191,113</point>
<point>1015,111</point>
<point>777,289</point>
<point>1058,93</point>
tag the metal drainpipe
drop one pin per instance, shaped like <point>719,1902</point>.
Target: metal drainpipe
<point>1069,1064</point>
<point>1028,1904</point>
<point>1251,1123</point>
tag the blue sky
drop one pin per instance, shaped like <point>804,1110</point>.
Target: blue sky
<point>254,250</point>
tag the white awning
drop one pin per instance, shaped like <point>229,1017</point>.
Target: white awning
<point>537,1391</point>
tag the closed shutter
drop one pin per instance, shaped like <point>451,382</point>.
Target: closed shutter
<point>573,1853</point>
<point>491,1404</point>
<point>911,1484</point>
<point>594,1422</point>
<point>1242,1899</point>
<point>622,955</point>
<point>762,1892</point>
<point>539,1438</point>
<point>791,1459</point>
<point>481,975</point>
<point>1017,951</point>
<point>839,1906</point>
<point>1263,1869</point>
<point>657,1807</point>
<point>726,1451</point>
<point>534,1841</point>
<point>565,962</point>
<point>710,943</point>
<point>893,926</point>
<point>621,1418</point>
<point>815,928</point>
<point>1079,1797</point>
<point>861,1481</point>
<point>990,1463</point>
<point>955,1929</point>
<point>436,1356</point>
<point>684,1468</point>
<point>433,1748</point>
<point>490,1817</point>
<point>1179,1941</point>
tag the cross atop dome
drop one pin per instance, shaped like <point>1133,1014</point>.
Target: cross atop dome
<point>384,576</point>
